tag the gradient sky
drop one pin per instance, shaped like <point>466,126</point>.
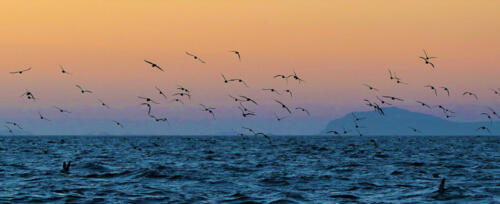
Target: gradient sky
<point>336,46</point>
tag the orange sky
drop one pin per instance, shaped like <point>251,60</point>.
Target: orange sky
<point>334,45</point>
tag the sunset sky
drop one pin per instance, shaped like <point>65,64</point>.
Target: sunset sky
<point>335,46</point>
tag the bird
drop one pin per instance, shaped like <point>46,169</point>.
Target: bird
<point>382,102</point>
<point>497,92</point>
<point>280,118</point>
<point>391,77</point>
<point>225,79</point>
<point>161,92</point>
<point>446,89</point>
<point>393,98</point>
<point>149,107</point>
<point>427,59</point>
<point>182,94</point>
<point>249,129</point>
<point>283,106</point>
<point>398,81</point>
<point>303,110</point>
<point>432,88</point>
<point>118,123</point>
<point>371,87</point>
<point>103,104</point>
<point>246,99</point>
<point>64,70</point>
<point>280,76</point>
<point>42,117</point>
<point>357,126</point>
<point>14,124</point>
<point>494,112</point>
<point>265,136</point>
<point>295,76</point>
<point>235,99</point>
<point>470,94</point>
<point>441,188</point>
<point>424,104</point>
<point>243,106</point>
<point>289,92</point>
<point>148,100</point>
<point>240,81</point>
<point>61,110</point>
<point>179,87</point>
<point>237,53</point>
<point>160,119</point>
<point>153,65</point>
<point>333,131</point>
<point>415,130</point>
<point>208,109</point>
<point>483,128</point>
<point>272,90</point>
<point>65,167</point>
<point>356,118</point>
<point>488,116</point>
<point>21,71</point>
<point>245,112</point>
<point>195,57</point>
<point>83,91</point>
<point>29,95</point>
<point>177,100</point>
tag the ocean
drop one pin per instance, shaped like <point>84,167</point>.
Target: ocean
<point>249,169</point>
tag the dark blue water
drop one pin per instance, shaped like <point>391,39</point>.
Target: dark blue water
<point>235,170</point>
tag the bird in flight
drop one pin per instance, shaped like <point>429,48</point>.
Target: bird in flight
<point>236,52</point>
<point>224,77</point>
<point>148,100</point>
<point>246,99</point>
<point>235,99</point>
<point>177,100</point>
<point>280,76</point>
<point>64,70</point>
<point>445,110</point>
<point>29,95</point>
<point>153,65</point>
<point>488,116</point>
<point>83,91</point>
<point>272,90</point>
<point>470,94</point>
<point>371,87</point>
<point>415,130</point>
<point>245,112</point>
<point>382,102</point>
<point>432,88</point>
<point>208,109</point>
<point>303,110</point>
<point>149,107</point>
<point>21,71</point>
<point>118,123</point>
<point>289,92</point>
<point>161,92</point>
<point>61,110</point>
<point>393,98</point>
<point>195,57</point>
<point>495,91</point>
<point>280,118</point>
<point>494,112</point>
<point>391,77</point>
<point>179,87</point>
<point>424,104</point>
<point>295,76</point>
<point>483,128</point>
<point>283,106</point>
<point>427,59</point>
<point>14,124</point>
<point>182,94</point>
<point>446,89</point>
<point>103,104</point>
<point>42,117</point>
<point>333,131</point>
<point>240,81</point>
<point>164,119</point>
<point>356,118</point>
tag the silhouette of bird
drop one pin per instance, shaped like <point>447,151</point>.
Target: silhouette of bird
<point>280,76</point>
<point>497,92</point>
<point>483,128</point>
<point>333,131</point>
<point>446,89</point>
<point>371,87</point>
<point>21,71</point>
<point>415,130</point>
<point>488,116</point>
<point>148,100</point>
<point>240,81</point>
<point>14,124</point>
<point>303,110</point>
<point>470,94</point>
<point>208,109</point>
<point>296,77</point>
<point>235,99</point>
<point>164,119</point>
<point>118,123</point>
<point>237,53</point>
<point>28,95</point>
<point>149,107</point>
<point>64,70</point>
<point>225,79</point>
<point>246,99</point>
<point>177,100</point>
<point>289,91</point>
<point>272,90</point>
<point>432,88</point>
<point>153,65</point>
<point>42,117</point>
<point>103,104</point>
<point>392,77</point>
<point>393,98</point>
<point>195,57</point>
<point>161,92</point>
<point>424,104</point>
<point>283,106</point>
<point>356,118</point>
<point>427,59</point>
<point>245,112</point>
<point>182,94</point>
<point>61,110</point>
<point>179,87</point>
<point>280,118</point>
<point>494,112</point>
<point>382,102</point>
<point>83,90</point>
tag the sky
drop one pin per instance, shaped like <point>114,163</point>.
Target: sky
<point>335,46</point>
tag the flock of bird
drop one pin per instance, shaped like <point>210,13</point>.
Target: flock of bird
<point>243,103</point>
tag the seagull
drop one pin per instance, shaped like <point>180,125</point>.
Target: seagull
<point>245,112</point>
<point>382,102</point>
<point>445,110</point>
<point>483,128</point>
<point>283,106</point>
<point>415,130</point>
<point>21,71</point>
<point>182,94</point>
<point>398,81</point>
<point>356,118</point>
<point>240,81</point>
<point>296,77</point>
<point>470,94</point>
<point>280,76</point>
<point>423,104</point>
<point>118,123</point>
<point>159,119</point>
<point>61,110</point>
<point>289,91</point>
<point>272,90</point>
<point>248,99</point>
<point>497,92</point>
<point>177,100</point>
<point>153,65</point>
<point>161,92</point>
<point>63,70</point>
<point>29,95</point>
<point>371,87</point>
<point>446,89</point>
<point>333,131</point>
<point>303,110</point>
<point>391,77</point>
<point>266,136</point>
<point>249,129</point>
<point>103,104</point>
<point>243,106</point>
<point>235,99</point>
<point>179,87</point>
<point>237,53</point>
<point>225,80</point>
<point>432,88</point>
<point>357,126</point>
<point>149,107</point>
<point>393,98</point>
<point>280,118</point>
<point>494,112</point>
<point>195,57</point>
<point>42,117</point>
<point>83,90</point>
<point>488,116</point>
<point>427,59</point>
<point>14,124</point>
<point>148,99</point>
<point>208,109</point>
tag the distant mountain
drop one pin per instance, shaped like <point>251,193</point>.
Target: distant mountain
<point>398,121</point>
